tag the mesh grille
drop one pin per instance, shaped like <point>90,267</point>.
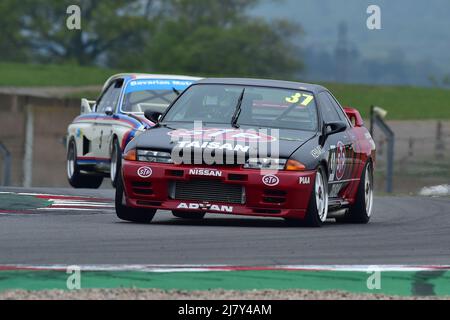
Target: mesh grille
<point>208,190</point>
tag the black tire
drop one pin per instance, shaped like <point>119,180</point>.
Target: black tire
<point>189,215</point>
<point>76,178</point>
<point>360,211</point>
<point>116,159</point>
<point>313,218</point>
<point>130,214</point>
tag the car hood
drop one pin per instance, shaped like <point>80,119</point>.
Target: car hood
<point>281,142</point>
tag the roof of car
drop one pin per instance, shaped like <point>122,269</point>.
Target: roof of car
<point>265,83</point>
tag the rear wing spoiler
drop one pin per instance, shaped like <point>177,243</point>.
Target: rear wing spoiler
<point>87,106</point>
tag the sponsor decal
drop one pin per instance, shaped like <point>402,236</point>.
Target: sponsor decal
<point>206,207</point>
<point>223,135</point>
<point>340,160</point>
<point>213,145</point>
<point>270,180</point>
<point>304,180</point>
<point>144,172</point>
<point>316,152</point>
<point>157,84</point>
<point>205,172</point>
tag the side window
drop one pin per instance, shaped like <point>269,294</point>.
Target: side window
<point>329,112</point>
<point>338,108</point>
<point>110,97</point>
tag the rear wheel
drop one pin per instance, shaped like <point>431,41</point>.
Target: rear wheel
<point>76,178</point>
<point>130,214</point>
<point>361,210</point>
<point>116,162</point>
<point>317,211</point>
<point>189,215</point>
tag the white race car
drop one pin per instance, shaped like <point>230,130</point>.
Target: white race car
<point>96,138</point>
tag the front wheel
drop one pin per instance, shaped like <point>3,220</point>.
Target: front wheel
<point>317,211</point>
<point>127,213</point>
<point>189,215</point>
<point>76,178</point>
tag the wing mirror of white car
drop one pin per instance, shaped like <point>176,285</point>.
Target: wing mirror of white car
<point>153,116</point>
<point>87,106</point>
<point>109,111</point>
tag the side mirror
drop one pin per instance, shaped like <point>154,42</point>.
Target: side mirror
<point>109,111</point>
<point>153,116</point>
<point>354,116</point>
<point>87,106</point>
<point>335,127</point>
<point>331,128</point>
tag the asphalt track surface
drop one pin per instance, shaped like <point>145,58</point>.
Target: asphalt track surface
<point>403,230</point>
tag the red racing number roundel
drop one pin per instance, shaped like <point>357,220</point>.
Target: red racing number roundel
<point>340,160</point>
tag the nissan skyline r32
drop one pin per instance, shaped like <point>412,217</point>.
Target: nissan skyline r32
<point>96,138</point>
<point>251,147</point>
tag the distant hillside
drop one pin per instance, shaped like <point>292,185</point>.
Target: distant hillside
<point>414,32</point>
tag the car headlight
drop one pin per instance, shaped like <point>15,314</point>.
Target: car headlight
<point>274,164</point>
<point>154,156</point>
<point>265,163</point>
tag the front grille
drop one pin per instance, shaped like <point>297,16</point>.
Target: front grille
<point>208,190</point>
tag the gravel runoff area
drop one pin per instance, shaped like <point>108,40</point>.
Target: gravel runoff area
<point>156,294</point>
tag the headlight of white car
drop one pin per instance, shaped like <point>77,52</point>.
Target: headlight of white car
<point>154,156</point>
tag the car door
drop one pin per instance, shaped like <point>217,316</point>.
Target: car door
<point>106,108</point>
<point>340,147</point>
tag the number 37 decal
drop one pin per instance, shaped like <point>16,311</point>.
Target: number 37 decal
<point>296,99</point>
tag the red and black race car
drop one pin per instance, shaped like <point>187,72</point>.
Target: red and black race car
<point>251,147</point>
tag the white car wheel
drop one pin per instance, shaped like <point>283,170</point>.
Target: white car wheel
<point>71,161</point>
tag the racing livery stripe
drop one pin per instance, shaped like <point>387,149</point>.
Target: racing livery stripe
<point>92,160</point>
<point>129,135</point>
<point>121,118</point>
<point>354,173</point>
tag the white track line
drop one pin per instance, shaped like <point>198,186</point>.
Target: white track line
<point>209,268</point>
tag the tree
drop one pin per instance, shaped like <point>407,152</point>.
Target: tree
<point>219,38</point>
<point>106,25</point>
<point>13,46</point>
<point>173,36</point>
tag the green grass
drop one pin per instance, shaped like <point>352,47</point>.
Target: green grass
<point>35,75</point>
<point>402,103</point>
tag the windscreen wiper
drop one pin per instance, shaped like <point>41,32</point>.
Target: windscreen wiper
<point>237,113</point>
<point>176,91</point>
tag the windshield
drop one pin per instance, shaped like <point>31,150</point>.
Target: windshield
<point>144,94</point>
<point>261,107</point>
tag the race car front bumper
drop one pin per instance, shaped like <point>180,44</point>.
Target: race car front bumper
<point>218,189</point>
